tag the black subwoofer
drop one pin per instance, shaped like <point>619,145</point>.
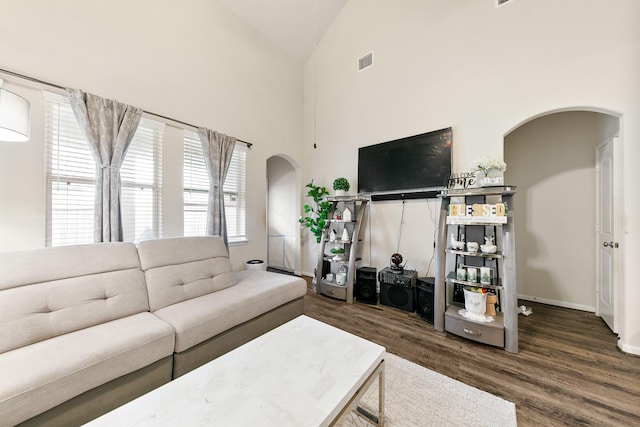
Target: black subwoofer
<point>366,285</point>
<point>397,296</point>
<point>424,298</point>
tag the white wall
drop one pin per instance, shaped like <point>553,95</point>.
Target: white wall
<point>482,70</point>
<point>22,183</point>
<point>412,235</point>
<point>197,63</point>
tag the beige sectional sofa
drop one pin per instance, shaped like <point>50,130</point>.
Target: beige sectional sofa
<point>84,329</point>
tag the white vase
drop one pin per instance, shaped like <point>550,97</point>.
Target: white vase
<point>493,178</point>
<point>340,193</point>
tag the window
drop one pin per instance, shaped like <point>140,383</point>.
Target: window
<point>196,190</point>
<point>71,173</point>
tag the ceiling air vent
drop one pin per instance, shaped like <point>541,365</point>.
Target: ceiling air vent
<point>365,62</point>
<point>499,2</point>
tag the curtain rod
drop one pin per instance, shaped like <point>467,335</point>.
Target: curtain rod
<point>33,79</point>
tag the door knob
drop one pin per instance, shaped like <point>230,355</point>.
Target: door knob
<point>610,245</point>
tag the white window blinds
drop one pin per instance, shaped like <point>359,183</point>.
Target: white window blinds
<point>196,190</point>
<point>71,179</point>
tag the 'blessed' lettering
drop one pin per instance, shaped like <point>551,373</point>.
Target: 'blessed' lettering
<point>477,209</point>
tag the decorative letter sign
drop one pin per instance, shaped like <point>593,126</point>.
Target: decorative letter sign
<point>462,180</point>
<point>477,213</point>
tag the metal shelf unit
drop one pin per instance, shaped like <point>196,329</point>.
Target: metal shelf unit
<point>352,247</point>
<point>503,331</point>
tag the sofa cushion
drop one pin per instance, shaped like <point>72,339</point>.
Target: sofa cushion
<point>182,268</point>
<point>255,293</point>
<point>38,377</point>
<point>53,291</point>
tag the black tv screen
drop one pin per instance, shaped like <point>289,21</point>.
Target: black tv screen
<point>407,165</point>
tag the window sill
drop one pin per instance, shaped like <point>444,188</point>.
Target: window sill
<point>238,242</point>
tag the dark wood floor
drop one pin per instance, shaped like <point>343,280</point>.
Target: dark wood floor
<point>568,370</point>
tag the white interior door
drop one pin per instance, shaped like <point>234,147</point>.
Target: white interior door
<point>607,246</point>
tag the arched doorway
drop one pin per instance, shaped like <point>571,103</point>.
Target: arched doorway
<point>552,162</point>
<point>283,199</point>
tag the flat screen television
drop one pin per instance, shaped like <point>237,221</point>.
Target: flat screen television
<point>412,167</point>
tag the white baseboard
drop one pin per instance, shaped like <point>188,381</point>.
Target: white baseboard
<point>557,303</point>
<point>630,349</point>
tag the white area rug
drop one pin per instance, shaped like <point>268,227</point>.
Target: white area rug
<point>416,396</point>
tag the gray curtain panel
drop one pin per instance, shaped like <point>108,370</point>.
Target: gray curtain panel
<point>217,149</point>
<point>109,127</point>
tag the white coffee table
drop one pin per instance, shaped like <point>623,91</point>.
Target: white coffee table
<point>303,373</point>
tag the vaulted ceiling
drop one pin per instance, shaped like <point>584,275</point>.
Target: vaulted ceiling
<point>292,25</point>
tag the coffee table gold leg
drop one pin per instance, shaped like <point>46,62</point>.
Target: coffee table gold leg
<point>379,419</point>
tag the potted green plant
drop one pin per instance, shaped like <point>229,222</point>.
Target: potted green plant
<point>338,252</point>
<point>316,213</point>
<point>341,186</point>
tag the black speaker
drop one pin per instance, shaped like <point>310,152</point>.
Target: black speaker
<point>397,296</point>
<point>424,298</point>
<point>366,285</point>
